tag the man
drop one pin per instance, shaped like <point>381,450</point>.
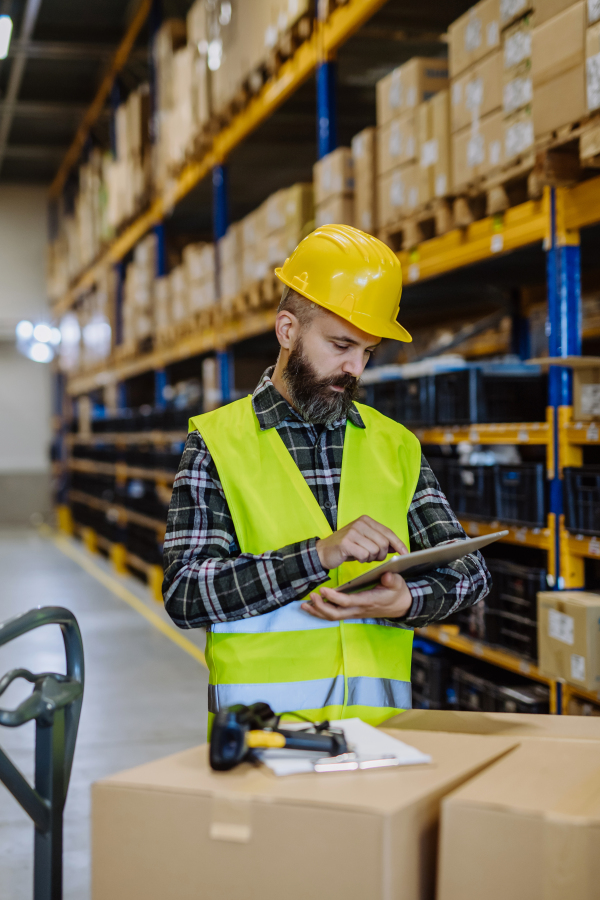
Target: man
<point>284,495</point>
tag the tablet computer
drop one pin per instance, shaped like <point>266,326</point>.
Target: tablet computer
<point>420,561</point>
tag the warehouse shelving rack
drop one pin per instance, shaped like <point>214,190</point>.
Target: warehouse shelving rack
<point>553,221</point>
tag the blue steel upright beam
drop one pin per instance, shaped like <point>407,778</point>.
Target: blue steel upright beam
<point>326,108</point>
<point>563,272</point>
<point>220,185</point>
<point>160,375</point>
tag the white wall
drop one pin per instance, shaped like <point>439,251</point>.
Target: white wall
<point>24,385</point>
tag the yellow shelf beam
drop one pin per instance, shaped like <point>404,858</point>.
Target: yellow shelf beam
<point>95,110</point>
<point>121,471</point>
<point>327,37</point>
<point>122,437</point>
<point>525,536</point>
<point>582,546</point>
<point>517,227</point>
<point>516,433</point>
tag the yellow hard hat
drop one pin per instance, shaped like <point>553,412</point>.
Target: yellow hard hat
<point>352,274</point>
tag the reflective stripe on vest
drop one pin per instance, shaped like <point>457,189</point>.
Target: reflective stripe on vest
<point>288,658</point>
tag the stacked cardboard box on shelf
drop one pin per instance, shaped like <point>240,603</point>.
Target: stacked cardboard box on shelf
<point>128,175</point>
<point>138,294</point>
<point>364,160</point>
<point>229,249</point>
<point>333,178</point>
<point>254,265</point>
<point>170,38</point>
<point>517,88</point>
<point>95,314</point>
<point>398,152</point>
<point>199,264</point>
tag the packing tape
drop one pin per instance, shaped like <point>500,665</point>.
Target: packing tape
<point>231,819</point>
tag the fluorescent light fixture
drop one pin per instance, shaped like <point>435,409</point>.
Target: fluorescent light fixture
<point>41,353</point>
<point>5,34</point>
<point>215,53</point>
<point>24,330</point>
<point>42,333</point>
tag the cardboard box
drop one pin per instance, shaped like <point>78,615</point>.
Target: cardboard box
<point>407,86</point>
<point>592,67</point>
<point>334,174</point>
<point>569,637</point>
<point>396,143</point>
<point>593,8</point>
<point>338,210</point>
<point>397,194</point>
<point>520,726</point>
<point>473,36</point>
<point>558,46</point>
<point>175,829</point>
<point>516,44</point>
<point>511,10</point>
<point>476,152</point>
<point>477,92</point>
<point>299,210</point>
<point>547,9</point>
<point>364,154</point>
<point>518,135</point>
<point>433,132</point>
<point>559,101</point>
<point>517,90</point>
<point>586,393</point>
<point>527,827</point>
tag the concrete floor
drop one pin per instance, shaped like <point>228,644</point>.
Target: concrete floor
<point>145,697</point>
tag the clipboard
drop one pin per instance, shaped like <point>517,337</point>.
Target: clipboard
<point>420,561</point>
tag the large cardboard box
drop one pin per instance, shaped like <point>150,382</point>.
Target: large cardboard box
<point>586,393</point>
<point>569,637</point>
<point>518,134</point>
<point>547,9</point>
<point>364,154</point>
<point>473,36</point>
<point>521,726</point>
<point>397,194</point>
<point>408,85</point>
<point>528,827</point>
<point>560,101</point>
<point>475,152</point>
<point>510,10</point>
<point>477,92</point>
<point>558,45</point>
<point>337,210</point>
<point>592,66</point>
<point>175,829</point>
<point>333,174</point>
<point>396,143</point>
<point>433,134</point>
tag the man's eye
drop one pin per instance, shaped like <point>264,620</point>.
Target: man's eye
<point>342,346</point>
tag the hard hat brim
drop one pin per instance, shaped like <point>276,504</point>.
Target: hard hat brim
<point>369,324</point>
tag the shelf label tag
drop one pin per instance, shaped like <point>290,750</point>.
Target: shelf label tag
<point>577,667</point>
<point>561,627</point>
<point>497,243</point>
<point>414,272</point>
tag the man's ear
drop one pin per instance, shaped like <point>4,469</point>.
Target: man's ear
<point>287,328</point>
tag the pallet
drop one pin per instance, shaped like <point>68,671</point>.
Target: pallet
<point>263,294</point>
<point>432,219</point>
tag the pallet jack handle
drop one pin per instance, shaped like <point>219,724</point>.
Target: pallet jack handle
<point>55,705</point>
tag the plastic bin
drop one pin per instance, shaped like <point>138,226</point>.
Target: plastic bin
<point>515,588</point>
<point>513,632</point>
<point>582,499</point>
<point>520,494</point>
<point>471,490</point>
<point>417,400</point>
<point>386,398</point>
<point>429,675</point>
<point>472,691</point>
<point>477,395</point>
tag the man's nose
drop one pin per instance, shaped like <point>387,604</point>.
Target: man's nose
<point>354,365</point>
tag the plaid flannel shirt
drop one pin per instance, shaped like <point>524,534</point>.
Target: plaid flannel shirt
<point>207,579</point>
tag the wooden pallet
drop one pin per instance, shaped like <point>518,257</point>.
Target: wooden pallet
<point>262,294</point>
<point>429,220</point>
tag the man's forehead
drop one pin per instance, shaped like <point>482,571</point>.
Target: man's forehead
<point>336,327</point>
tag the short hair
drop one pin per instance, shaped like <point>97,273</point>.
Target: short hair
<point>304,310</point>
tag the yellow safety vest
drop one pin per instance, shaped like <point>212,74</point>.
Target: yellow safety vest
<point>288,658</point>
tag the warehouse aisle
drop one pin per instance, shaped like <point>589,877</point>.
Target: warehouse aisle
<point>145,696</point>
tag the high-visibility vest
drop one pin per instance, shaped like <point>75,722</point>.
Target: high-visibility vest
<point>288,658</point>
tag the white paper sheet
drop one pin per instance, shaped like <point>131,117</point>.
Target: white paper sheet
<point>366,741</point>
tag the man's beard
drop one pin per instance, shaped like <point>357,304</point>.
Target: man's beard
<point>312,396</point>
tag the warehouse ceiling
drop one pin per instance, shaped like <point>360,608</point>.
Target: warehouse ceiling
<point>61,48</point>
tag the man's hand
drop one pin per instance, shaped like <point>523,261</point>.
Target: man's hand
<point>389,600</point>
<point>363,540</point>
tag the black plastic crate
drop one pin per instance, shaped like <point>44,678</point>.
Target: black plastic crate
<point>582,499</point>
<point>439,467</point>
<point>417,400</point>
<point>386,398</point>
<point>520,494</point>
<point>477,395</point>
<point>472,692</point>
<point>533,699</point>
<point>429,675</point>
<point>515,588</point>
<point>470,490</point>
<point>144,543</point>
<point>513,632</point>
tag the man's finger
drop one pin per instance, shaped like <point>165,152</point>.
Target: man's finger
<point>337,597</point>
<point>393,540</point>
<point>365,543</point>
<point>331,613</point>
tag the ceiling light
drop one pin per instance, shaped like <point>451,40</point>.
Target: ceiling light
<point>41,353</point>
<point>5,34</point>
<point>24,330</point>
<point>42,333</point>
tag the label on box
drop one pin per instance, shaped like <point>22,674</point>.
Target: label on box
<point>495,153</point>
<point>517,47</point>
<point>473,35</point>
<point>561,627</point>
<point>517,93</point>
<point>511,8</point>
<point>592,72</point>
<point>493,34</point>
<point>413,197</point>
<point>395,95</point>
<point>577,667</point>
<point>518,138</point>
<point>475,151</point>
<point>590,399</point>
<point>429,153</point>
<point>411,96</point>
<point>593,11</point>
<point>474,94</point>
<point>395,142</point>
<point>397,192</point>
<point>441,183</point>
